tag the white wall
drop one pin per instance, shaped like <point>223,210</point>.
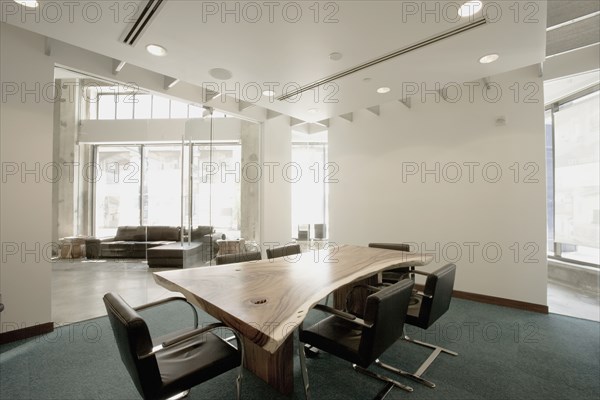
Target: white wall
<point>374,202</point>
<point>26,125</point>
<point>276,208</point>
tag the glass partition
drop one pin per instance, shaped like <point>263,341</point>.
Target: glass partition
<point>117,180</point>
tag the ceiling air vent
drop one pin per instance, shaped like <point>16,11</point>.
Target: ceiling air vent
<point>478,22</point>
<point>135,30</point>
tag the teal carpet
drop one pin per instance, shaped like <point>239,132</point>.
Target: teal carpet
<point>503,354</point>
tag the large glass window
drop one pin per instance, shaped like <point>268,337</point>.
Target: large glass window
<point>117,183</point>
<point>119,102</point>
<point>309,188</point>
<point>125,173</point>
<point>217,187</point>
<point>106,106</point>
<point>161,197</point>
<point>143,106</point>
<point>576,194</point>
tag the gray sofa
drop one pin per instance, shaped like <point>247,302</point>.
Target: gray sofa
<point>134,241</point>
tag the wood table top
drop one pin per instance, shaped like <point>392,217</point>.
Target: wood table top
<point>266,300</point>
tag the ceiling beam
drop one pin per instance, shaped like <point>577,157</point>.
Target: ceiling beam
<point>324,122</point>
<point>117,66</point>
<point>242,105</point>
<point>272,114</point>
<point>170,82</point>
<point>209,95</point>
<point>295,121</point>
<point>486,83</point>
<point>406,102</point>
<point>348,117</point>
<point>375,110</point>
<point>48,46</point>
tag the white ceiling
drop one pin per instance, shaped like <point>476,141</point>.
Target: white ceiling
<point>296,54</point>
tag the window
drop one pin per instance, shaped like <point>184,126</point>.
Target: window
<point>576,195</point>
<point>160,107</point>
<point>179,109</point>
<point>141,185</point>
<point>217,187</point>
<point>116,102</point>
<point>117,193</point>
<point>161,199</point>
<point>125,106</point>
<point>309,189</point>
<point>143,106</point>
<point>106,106</point>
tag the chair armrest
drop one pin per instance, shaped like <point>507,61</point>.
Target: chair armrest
<point>424,295</point>
<point>168,300</point>
<point>419,273</point>
<point>188,335</point>
<point>343,315</point>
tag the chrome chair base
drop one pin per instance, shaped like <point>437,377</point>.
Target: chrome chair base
<point>405,374</point>
<point>418,375</point>
<point>382,378</point>
<point>179,395</point>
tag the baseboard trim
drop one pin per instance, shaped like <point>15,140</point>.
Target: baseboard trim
<point>26,333</point>
<point>498,301</point>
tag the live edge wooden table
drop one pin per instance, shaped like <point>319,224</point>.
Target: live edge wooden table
<point>267,300</point>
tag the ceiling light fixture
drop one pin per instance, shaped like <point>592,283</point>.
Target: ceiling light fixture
<point>220,73</point>
<point>156,50</point>
<point>28,3</point>
<point>470,8</point>
<point>490,58</point>
<point>335,56</point>
<point>383,90</point>
<point>312,110</point>
<point>269,93</point>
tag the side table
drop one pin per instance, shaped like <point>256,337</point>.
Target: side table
<point>231,246</point>
<point>72,247</point>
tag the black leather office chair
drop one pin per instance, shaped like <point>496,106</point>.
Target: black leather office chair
<point>172,364</point>
<point>433,302</point>
<point>361,341</point>
<point>283,251</point>
<point>238,257</point>
<point>394,274</point>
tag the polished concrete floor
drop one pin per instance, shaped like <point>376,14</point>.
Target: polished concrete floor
<point>78,287</point>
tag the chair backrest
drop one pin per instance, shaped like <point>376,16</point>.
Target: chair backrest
<point>386,310</point>
<point>238,257</point>
<point>133,339</point>
<point>439,285</point>
<point>391,246</point>
<point>283,251</point>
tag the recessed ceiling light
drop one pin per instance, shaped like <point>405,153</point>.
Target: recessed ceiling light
<point>220,73</point>
<point>156,50</point>
<point>27,3</point>
<point>383,90</point>
<point>335,56</point>
<point>269,93</point>
<point>470,8</point>
<point>490,58</point>
<point>312,110</point>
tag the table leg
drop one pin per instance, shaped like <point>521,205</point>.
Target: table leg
<point>277,369</point>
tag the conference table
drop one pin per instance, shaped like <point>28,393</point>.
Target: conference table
<point>267,300</point>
